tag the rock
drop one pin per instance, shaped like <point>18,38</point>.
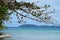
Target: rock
<point>5,36</point>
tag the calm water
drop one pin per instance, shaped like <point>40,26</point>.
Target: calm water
<point>33,33</point>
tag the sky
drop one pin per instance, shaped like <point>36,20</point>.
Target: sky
<point>55,4</point>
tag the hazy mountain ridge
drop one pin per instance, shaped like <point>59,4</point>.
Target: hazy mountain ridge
<point>35,26</point>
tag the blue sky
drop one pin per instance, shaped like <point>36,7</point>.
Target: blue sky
<point>55,4</point>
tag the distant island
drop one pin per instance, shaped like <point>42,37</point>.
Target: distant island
<point>35,26</point>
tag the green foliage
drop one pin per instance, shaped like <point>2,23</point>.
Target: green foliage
<point>3,12</point>
<point>3,15</point>
<point>1,27</point>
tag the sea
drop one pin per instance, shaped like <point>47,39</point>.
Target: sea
<point>18,33</point>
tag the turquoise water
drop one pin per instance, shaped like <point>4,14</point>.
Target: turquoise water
<point>33,33</point>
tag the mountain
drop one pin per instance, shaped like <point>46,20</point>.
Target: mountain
<point>35,26</point>
<point>28,26</point>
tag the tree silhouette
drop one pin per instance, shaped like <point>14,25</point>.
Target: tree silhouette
<point>29,10</point>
